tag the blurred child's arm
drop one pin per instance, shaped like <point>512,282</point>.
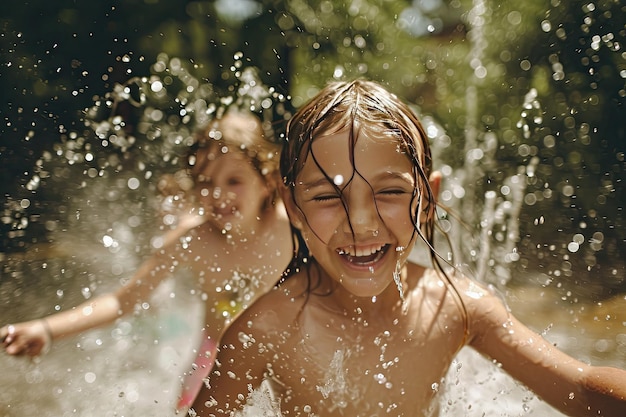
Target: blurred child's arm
<point>569,385</point>
<point>34,337</point>
<point>31,338</point>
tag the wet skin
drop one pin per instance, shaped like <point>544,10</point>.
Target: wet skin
<point>350,346</point>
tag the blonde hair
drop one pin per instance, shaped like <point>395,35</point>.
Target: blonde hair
<point>240,131</point>
<point>243,131</point>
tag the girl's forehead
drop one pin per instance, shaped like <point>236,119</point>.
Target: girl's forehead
<point>339,154</point>
<point>350,143</point>
<point>217,150</point>
<point>208,158</point>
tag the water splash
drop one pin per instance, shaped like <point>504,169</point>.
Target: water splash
<point>398,280</point>
<point>263,401</point>
<point>397,276</point>
<point>335,386</point>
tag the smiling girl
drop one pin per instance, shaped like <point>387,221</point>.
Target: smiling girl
<point>232,233</point>
<point>357,329</point>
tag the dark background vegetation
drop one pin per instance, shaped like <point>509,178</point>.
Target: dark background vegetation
<point>57,58</point>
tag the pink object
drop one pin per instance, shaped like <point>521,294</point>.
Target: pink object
<point>194,379</point>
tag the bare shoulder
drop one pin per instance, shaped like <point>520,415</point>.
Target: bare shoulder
<point>437,283</point>
<point>480,303</point>
<point>488,316</point>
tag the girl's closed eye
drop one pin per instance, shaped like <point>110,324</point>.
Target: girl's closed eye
<point>392,196</point>
<point>397,186</point>
<point>234,181</point>
<point>326,197</point>
<point>393,191</point>
<point>320,191</point>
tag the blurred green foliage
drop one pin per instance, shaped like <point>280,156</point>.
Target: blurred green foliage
<point>546,79</point>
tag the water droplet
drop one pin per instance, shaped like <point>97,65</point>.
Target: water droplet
<point>246,339</point>
<point>380,378</point>
<point>398,280</point>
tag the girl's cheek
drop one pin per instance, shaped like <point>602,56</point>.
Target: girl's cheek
<point>398,221</point>
<point>321,222</point>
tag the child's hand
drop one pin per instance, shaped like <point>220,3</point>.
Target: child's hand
<point>29,338</point>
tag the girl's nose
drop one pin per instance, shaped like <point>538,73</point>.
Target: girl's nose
<point>363,217</point>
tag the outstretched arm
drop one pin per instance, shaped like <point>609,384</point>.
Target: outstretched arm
<point>575,388</point>
<point>31,338</point>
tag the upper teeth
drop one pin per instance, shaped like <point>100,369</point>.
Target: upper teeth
<point>360,251</point>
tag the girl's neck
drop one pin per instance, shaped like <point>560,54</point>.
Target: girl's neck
<point>342,302</point>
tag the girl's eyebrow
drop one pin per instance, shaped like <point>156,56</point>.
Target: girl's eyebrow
<point>321,181</point>
<point>401,175</point>
<point>387,175</point>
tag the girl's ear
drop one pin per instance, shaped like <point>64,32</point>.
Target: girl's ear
<point>435,183</point>
<point>294,213</point>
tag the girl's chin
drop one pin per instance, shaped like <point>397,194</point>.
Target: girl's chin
<point>365,287</point>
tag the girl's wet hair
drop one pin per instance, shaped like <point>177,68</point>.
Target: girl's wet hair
<point>239,130</point>
<point>234,130</point>
<point>361,106</point>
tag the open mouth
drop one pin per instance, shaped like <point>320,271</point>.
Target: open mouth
<point>363,256</point>
<point>220,212</point>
